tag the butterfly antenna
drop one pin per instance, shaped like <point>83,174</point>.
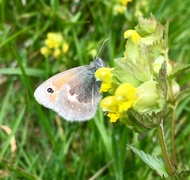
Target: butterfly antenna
<point>101,47</point>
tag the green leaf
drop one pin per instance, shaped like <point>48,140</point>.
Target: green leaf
<point>183,95</point>
<point>179,68</point>
<point>153,162</point>
<point>146,26</point>
<point>142,123</point>
<point>162,79</point>
<point>14,129</point>
<point>11,167</point>
<point>17,71</point>
<point>2,43</point>
<point>181,176</point>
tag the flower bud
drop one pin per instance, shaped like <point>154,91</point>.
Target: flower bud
<point>149,98</point>
<point>158,63</point>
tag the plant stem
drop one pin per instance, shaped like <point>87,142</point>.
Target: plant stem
<point>166,158</point>
<point>173,137</point>
<point>172,99</point>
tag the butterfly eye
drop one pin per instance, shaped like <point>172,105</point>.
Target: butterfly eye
<point>50,90</point>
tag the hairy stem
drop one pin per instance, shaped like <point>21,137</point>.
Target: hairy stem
<point>173,137</point>
<point>165,154</point>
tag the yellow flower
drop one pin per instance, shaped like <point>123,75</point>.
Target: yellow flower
<point>125,94</point>
<point>125,106</point>
<point>119,9</point>
<point>53,40</point>
<point>65,47</point>
<point>113,116</point>
<point>45,51</point>
<point>125,91</point>
<point>105,87</point>
<point>54,44</point>
<point>125,2</point>
<point>56,53</point>
<point>133,35</point>
<point>123,99</point>
<point>105,75</point>
<point>120,6</point>
<point>109,104</point>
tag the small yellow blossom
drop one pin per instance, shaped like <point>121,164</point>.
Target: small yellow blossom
<point>125,106</point>
<point>45,51</point>
<point>125,2</point>
<point>120,6</point>
<point>105,75</point>
<point>113,116</point>
<point>53,40</point>
<point>56,53</point>
<point>119,9</point>
<point>54,44</point>
<point>133,35</point>
<point>123,99</point>
<point>125,94</point>
<point>109,104</point>
<point>105,87</point>
<point>125,91</point>
<point>65,47</point>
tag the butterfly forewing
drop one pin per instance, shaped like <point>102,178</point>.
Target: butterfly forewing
<point>79,98</point>
<point>73,94</point>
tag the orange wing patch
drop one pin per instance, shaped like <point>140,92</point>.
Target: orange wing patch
<point>58,82</point>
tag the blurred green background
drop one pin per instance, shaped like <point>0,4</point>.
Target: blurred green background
<point>48,147</point>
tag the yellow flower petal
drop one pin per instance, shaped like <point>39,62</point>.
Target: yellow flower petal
<point>109,103</point>
<point>133,35</point>
<point>45,51</point>
<point>54,40</point>
<point>125,91</point>
<point>65,47</point>
<point>125,106</point>
<point>105,87</point>
<point>56,53</point>
<point>50,35</point>
<point>113,116</point>
<point>119,9</point>
<point>104,74</point>
<point>125,2</point>
<point>49,43</point>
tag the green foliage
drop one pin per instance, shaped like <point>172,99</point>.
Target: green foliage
<point>178,69</point>
<point>154,162</point>
<point>49,147</point>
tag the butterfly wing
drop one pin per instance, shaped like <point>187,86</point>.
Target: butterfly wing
<point>79,97</point>
<point>73,94</point>
<point>46,94</point>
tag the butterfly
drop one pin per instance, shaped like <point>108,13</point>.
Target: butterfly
<point>73,94</point>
